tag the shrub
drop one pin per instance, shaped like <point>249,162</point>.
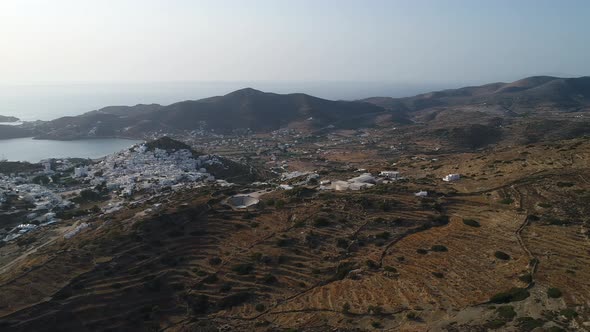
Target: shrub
<point>376,324</point>
<point>439,275</point>
<point>226,287</point>
<point>544,205</point>
<point>506,312</point>
<point>568,313</point>
<point>494,324</point>
<point>512,295</point>
<point>439,248</point>
<point>243,269</point>
<point>383,236</point>
<point>342,243</point>
<point>346,308</point>
<point>554,293</point>
<point>199,303</point>
<point>260,307</point>
<point>529,323</point>
<point>371,264</point>
<point>471,222</point>
<point>211,279</point>
<point>527,278</point>
<point>390,269</point>
<point>502,255</point>
<point>321,222</point>
<point>235,299</point>
<point>269,279</point>
<point>422,251</point>
<point>506,201</point>
<point>215,261</point>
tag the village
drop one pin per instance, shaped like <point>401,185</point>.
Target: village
<point>40,198</point>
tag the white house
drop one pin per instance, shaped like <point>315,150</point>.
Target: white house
<point>80,172</point>
<point>392,175</point>
<point>451,177</point>
<point>421,193</point>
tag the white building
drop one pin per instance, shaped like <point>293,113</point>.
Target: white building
<point>392,175</point>
<point>80,172</point>
<point>421,193</point>
<point>451,177</point>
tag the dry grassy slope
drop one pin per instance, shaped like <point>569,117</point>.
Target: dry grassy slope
<point>279,267</point>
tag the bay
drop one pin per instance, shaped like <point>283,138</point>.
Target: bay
<point>28,149</point>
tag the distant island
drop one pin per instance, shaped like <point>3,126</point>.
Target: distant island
<point>8,119</point>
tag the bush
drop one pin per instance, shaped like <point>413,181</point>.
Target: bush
<point>342,243</point>
<point>506,312</point>
<point>529,323</point>
<point>439,275</point>
<point>215,261</point>
<point>371,264</point>
<point>243,269</point>
<point>321,222</point>
<point>235,299</point>
<point>494,324</point>
<point>422,251</point>
<point>383,236</point>
<point>527,278</point>
<point>502,255</point>
<point>269,279</point>
<point>199,303</point>
<point>471,222</point>
<point>506,201</point>
<point>569,313</point>
<point>512,295</point>
<point>346,308</point>
<point>390,269</point>
<point>554,293</point>
<point>376,324</point>
<point>260,307</point>
<point>439,248</point>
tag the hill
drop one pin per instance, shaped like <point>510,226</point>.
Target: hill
<point>240,110</point>
<point>531,92</point>
<point>8,118</point>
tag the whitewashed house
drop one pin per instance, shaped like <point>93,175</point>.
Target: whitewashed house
<point>451,177</point>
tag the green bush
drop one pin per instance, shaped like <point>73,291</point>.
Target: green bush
<point>502,255</point>
<point>321,222</point>
<point>527,278</point>
<point>243,269</point>
<point>512,295</point>
<point>260,307</point>
<point>529,323</point>
<point>568,313</point>
<point>471,222</point>
<point>214,261</point>
<point>506,312</point>
<point>390,269</point>
<point>439,275</point>
<point>422,251</point>
<point>494,324</point>
<point>554,293</point>
<point>439,248</point>
<point>506,201</point>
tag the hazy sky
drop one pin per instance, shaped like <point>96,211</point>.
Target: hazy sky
<point>295,40</point>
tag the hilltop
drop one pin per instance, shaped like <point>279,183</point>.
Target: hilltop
<point>568,94</point>
<point>241,110</point>
<point>4,118</point>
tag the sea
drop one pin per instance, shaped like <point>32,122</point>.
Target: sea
<point>30,102</point>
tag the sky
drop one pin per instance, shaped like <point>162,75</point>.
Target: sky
<point>436,41</point>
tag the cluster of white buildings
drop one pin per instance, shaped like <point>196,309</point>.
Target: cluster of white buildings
<point>39,196</point>
<point>140,169</point>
